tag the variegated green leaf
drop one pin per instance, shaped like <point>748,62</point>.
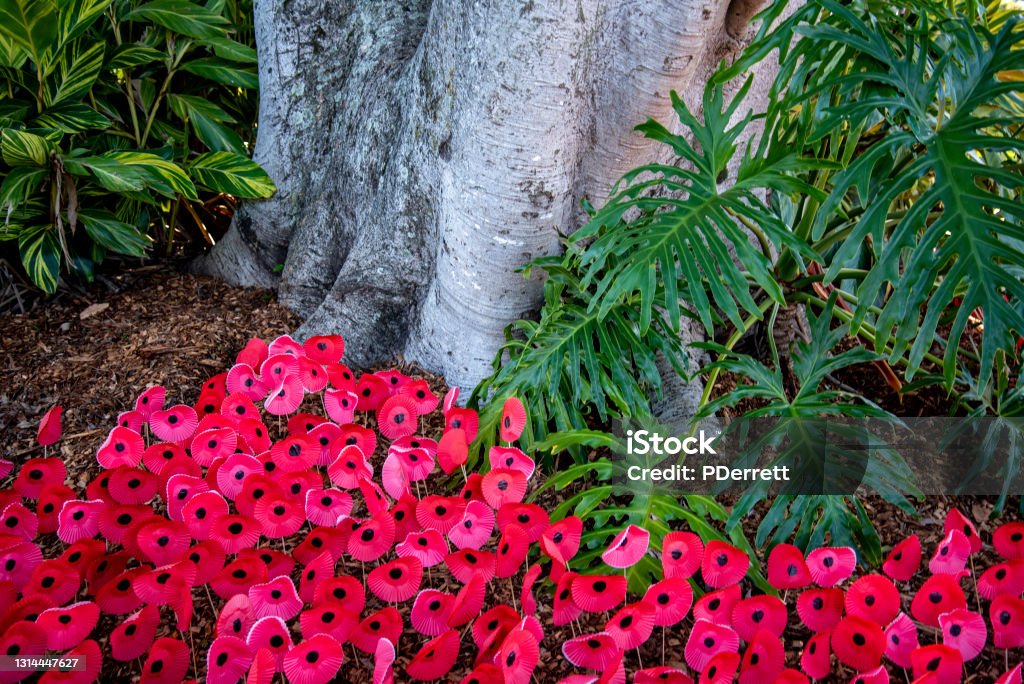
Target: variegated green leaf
<point>227,48</point>
<point>78,77</point>
<point>32,24</point>
<point>216,137</point>
<point>161,175</point>
<point>19,183</point>
<point>182,17</point>
<point>104,228</point>
<point>186,105</point>
<point>108,172</point>
<point>127,56</point>
<point>72,117</point>
<point>40,255</point>
<point>222,71</point>
<point>232,174</point>
<point>76,16</point>
<point>20,148</point>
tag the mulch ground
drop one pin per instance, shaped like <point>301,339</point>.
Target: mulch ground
<point>94,350</point>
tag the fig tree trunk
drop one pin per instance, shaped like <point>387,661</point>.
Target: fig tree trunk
<point>424,151</point>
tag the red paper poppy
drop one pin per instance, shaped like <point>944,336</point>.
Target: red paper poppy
<point>163,541</point>
<point>174,424</point>
<point>79,520</point>
<point>122,447</point>
<point>213,444</point>
<point>661,674</point>
<point>816,658</point>
<point>1008,540</point>
<point>671,599</point>
<point>163,585</point>
<point>707,640</point>
<point>316,571</point>
<point>475,528</point>
<point>373,538</point>
<point>232,474</point>
<point>820,609</point>
<point>904,560</point>
<point>51,500</point>
<point>436,658</point>
<point>340,405</point>
<point>598,593</point>
<point>431,611</point>
<point>1012,676</point>
<point>276,597</point>
<point>450,397</point>
<point>321,539</point>
<point>279,517</point>
<point>236,577</point>
<point>383,663</point>
<point>66,627</point>
<point>591,651</point>
<point>255,488</point>
<point>858,643</point>
<point>468,602</point>
<point>90,659</point>
<point>54,578</point>
<point>472,490</point>
<point>440,513</point>
<point>396,417</point>
<point>561,541</point>
<point>939,594</point>
<point>297,483</point>
<point>312,375</point>
<point>117,597</point>
<point>466,563</point>
<point>372,391</point>
<point>208,404</point>
<point>285,396</point>
<point>627,548</point>
<point>717,606</point>
<point>938,660</point>
<point>526,597</point>
<point>342,589</point>
<point>831,565</point>
<point>512,459</point>
<point>874,598</point>
<point>513,420</point>
<point>240,409</point>
<point>951,556</point>
<point>386,623</point>
<point>263,667</point>
<point>759,612</point>
<point>419,391</point>
<point>325,506</point>
<point>787,568</point>
<point>349,467</point>
<point>518,656</point>
<point>134,637</point>
<point>763,660</point>
<point>202,511</point>
<point>965,631</point>
<point>105,568</point>
<point>900,640</point>
<point>131,420</point>
<point>429,547</point>
<point>417,463</point>
<point>208,557</point>
<point>463,419</point>
<point>324,348</point>
<point>631,625</point>
<point>295,453</point>
<point>452,450</point>
<point>36,473</point>
<point>282,357</point>
<point>49,427</point>
<point>314,661</point>
<point>1002,578</point>
<point>397,580</point>
<point>563,609</point>
<point>513,545</point>
<point>227,660</point>
<point>723,564</point>
<point>373,496</point>
<point>18,521</point>
<point>156,457</point>
<point>270,633</point>
<point>503,486</point>
<point>243,380</point>
<point>179,491</point>
<point>235,617</point>
<point>22,637</point>
<point>533,519</point>
<point>1006,613</point>
<point>395,477</point>
<point>132,486</point>
<point>151,400</point>
<point>955,520</point>
<point>340,376</point>
<point>329,617</point>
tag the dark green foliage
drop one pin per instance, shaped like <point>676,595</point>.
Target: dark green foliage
<point>116,117</point>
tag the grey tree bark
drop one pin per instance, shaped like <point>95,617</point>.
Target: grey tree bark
<point>425,150</point>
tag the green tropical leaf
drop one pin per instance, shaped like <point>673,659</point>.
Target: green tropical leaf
<point>227,48</point>
<point>31,24</point>
<point>21,148</point>
<point>108,172</point>
<point>72,117</point>
<point>79,76</point>
<point>161,175</point>
<point>76,16</point>
<point>185,105</point>
<point>223,71</point>
<point>104,228</point>
<point>18,185</point>
<point>181,16</point>
<point>41,256</point>
<point>232,174</point>
<point>127,56</point>
<point>217,137</point>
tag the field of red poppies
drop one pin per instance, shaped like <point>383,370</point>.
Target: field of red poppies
<point>302,521</point>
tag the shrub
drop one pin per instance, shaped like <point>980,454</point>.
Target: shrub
<point>120,121</point>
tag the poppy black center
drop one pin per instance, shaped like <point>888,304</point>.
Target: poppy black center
<point>130,630</point>
<point>818,603</point>
<point>279,510</point>
<point>163,577</point>
<point>511,659</point>
<point>754,658</point>
<point>859,639</point>
<point>221,659</point>
<point>944,551</point>
<point>813,647</point>
<point>119,447</point>
<point>102,566</point>
<point>200,513</point>
<point>504,549</point>
<point>468,524</point>
<point>792,570</point>
<point>238,574</point>
<point>1016,536</point>
<point>375,625</point>
<point>64,619</point>
<point>422,541</point>
<point>593,643</point>
<point>312,657</point>
<point>78,515</point>
<point>48,508</point>
<point>339,593</point>
<point>399,418</point>
<point>434,605</point>
<point>163,541</point>
<point>277,641</point>
<point>676,554</point>
<point>714,603</point>
<point>123,585</point>
<point>195,557</point>
<point>757,615</point>
<point>933,664</point>
<point>828,562</point>
<point>395,573</point>
<point>626,622</point>
<point>400,516</point>
<point>722,560</point>
<point>294,450</point>
<point>955,630</point>
<point>239,474</point>
<point>524,518</point>
<point>896,639</point>
<point>182,493</point>
<point>869,600</point>
<point>367,535</point>
<point>212,444</point>
<point>502,485</point>
<point>935,597</point>
<point>440,510</point>
<point>564,595</point>
<point>457,423</point>
<point>157,666</point>
<point>600,585</point>
<point>1004,617</point>
<point>270,466</point>
<point>48,581</point>
<point>508,422</point>
<point>712,671</point>
<point>296,487</point>
<point>172,419</point>
<point>1001,573</point>
<point>275,594</point>
<point>134,483</point>
<point>35,474</point>
<point>708,642</point>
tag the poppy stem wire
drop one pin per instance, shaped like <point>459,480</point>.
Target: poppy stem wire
<point>974,578</point>
<point>663,644</point>
<point>512,591</point>
<point>209,597</point>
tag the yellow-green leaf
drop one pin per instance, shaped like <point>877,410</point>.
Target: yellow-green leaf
<point>182,17</point>
<point>232,174</point>
<point>78,77</point>
<point>23,149</point>
<point>40,255</point>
